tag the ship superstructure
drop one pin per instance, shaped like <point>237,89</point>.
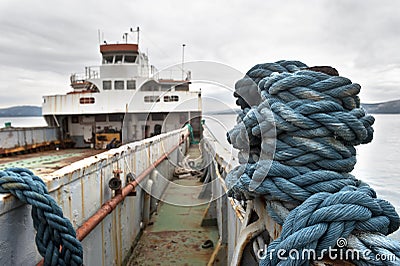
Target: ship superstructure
<point>124,99</point>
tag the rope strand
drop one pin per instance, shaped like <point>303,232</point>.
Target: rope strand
<point>313,120</point>
<point>53,230</point>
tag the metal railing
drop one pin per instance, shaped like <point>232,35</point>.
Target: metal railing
<point>92,72</point>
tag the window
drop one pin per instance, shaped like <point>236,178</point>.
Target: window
<point>119,85</point>
<point>86,100</point>
<point>130,59</point>
<point>108,59</point>
<point>100,118</point>
<point>172,98</point>
<point>106,84</point>
<point>151,99</point>
<point>118,59</point>
<point>131,84</point>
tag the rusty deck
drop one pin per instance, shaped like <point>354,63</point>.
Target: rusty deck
<point>46,162</point>
<point>175,235</point>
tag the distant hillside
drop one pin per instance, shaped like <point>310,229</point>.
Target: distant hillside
<point>391,107</point>
<point>21,111</point>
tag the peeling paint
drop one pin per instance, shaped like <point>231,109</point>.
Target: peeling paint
<point>83,187</point>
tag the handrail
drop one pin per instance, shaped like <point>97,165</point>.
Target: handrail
<point>112,203</point>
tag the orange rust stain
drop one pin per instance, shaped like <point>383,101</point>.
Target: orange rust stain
<point>277,230</point>
<point>7,198</point>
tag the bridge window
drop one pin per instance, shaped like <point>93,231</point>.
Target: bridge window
<point>86,100</point>
<point>106,84</point>
<point>151,99</point>
<point>131,84</point>
<point>130,59</point>
<point>119,85</point>
<point>108,59</point>
<point>171,98</point>
<point>118,59</point>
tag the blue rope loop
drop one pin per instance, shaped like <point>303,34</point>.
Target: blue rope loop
<point>53,230</point>
<point>317,121</point>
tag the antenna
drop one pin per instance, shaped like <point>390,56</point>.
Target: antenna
<point>183,60</point>
<point>137,30</point>
<point>125,37</point>
<point>98,35</point>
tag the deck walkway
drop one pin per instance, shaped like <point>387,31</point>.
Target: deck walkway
<point>176,236</point>
<point>46,162</point>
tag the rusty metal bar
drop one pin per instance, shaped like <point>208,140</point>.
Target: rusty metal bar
<point>112,203</point>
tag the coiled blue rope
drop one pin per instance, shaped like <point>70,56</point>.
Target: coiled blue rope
<point>315,121</point>
<point>54,231</point>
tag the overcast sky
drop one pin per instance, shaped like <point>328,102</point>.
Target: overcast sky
<point>43,42</point>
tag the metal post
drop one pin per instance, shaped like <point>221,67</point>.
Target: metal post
<point>137,29</point>
<point>183,60</point>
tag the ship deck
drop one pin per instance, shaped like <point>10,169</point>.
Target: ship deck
<point>46,162</point>
<point>174,235</point>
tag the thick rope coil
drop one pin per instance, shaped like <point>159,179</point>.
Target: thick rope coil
<point>54,231</point>
<point>296,136</point>
<point>246,89</point>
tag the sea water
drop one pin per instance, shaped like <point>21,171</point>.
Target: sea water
<point>378,162</point>
<point>25,121</point>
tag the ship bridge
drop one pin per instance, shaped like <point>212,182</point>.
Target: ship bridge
<point>124,88</point>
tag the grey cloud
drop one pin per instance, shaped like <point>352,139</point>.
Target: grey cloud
<point>60,37</point>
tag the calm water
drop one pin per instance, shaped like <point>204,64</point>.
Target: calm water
<point>30,121</point>
<point>378,162</point>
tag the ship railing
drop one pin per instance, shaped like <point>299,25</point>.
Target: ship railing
<point>91,72</point>
<point>171,74</point>
<point>82,189</point>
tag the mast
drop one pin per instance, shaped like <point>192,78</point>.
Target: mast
<point>183,60</point>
